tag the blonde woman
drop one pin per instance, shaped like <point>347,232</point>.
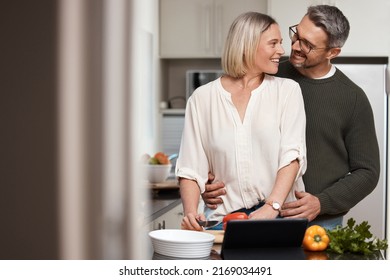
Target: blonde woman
<point>247,128</point>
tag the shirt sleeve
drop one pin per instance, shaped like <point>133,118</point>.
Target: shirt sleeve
<point>364,162</point>
<point>192,162</point>
<point>293,129</point>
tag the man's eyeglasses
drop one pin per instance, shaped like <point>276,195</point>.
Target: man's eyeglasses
<point>305,46</point>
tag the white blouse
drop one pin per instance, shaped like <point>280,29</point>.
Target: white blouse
<point>245,155</point>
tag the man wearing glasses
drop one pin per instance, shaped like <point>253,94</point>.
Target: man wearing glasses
<point>342,148</point>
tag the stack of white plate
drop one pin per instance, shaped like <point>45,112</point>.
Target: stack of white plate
<point>182,243</point>
<point>157,256</point>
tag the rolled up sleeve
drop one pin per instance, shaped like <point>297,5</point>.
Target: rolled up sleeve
<point>293,131</point>
<point>192,162</point>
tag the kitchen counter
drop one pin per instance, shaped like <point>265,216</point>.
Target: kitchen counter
<point>215,255</point>
<point>378,255</point>
<point>162,201</point>
<point>324,255</point>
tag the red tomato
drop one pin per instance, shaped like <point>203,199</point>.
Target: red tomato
<point>234,216</point>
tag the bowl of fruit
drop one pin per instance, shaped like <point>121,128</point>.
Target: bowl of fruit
<point>157,167</point>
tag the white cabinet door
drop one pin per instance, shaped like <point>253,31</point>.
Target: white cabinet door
<point>185,27</point>
<point>170,220</point>
<point>226,12</point>
<point>198,28</point>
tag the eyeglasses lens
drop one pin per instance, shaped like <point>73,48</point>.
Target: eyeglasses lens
<point>302,43</point>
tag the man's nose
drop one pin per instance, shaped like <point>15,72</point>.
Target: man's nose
<point>295,45</point>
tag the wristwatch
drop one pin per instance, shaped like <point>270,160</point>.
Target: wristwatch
<point>275,205</point>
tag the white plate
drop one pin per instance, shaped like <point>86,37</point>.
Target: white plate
<point>178,247</point>
<point>182,243</point>
<point>181,236</point>
<point>192,251</point>
<point>157,256</point>
<point>186,254</point>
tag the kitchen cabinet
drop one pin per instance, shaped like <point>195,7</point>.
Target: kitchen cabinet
<point>169,220</point>
<point>166,213</point>
<point>198,28</point>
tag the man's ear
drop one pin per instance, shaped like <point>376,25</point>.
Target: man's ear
<point>333,52</point>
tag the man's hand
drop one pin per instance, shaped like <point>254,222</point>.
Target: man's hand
<point>307,206</point>
<point>213,191</point>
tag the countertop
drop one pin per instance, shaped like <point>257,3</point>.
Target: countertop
<point>162,201</point>
<point>324,255</point>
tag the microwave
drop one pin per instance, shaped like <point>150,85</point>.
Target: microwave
<point>197,78</point>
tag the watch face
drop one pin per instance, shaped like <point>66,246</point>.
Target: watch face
<point>276,206</point>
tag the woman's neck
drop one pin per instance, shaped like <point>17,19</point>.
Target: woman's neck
<point>249,81</point>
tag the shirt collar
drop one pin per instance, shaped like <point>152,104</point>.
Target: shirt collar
<point>329,74</point>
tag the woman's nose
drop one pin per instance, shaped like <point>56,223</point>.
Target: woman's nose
<point>281,50</point>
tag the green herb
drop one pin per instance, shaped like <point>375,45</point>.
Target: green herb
<point>355,239</point>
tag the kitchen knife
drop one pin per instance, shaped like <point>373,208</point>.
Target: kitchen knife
<point>208,224</point>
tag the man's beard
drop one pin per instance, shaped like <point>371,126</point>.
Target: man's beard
<point>303,65</point>
<point>300,64</point>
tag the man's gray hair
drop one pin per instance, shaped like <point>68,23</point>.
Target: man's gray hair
<point>332,21</point>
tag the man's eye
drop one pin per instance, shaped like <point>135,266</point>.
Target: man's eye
<point>307,44</point>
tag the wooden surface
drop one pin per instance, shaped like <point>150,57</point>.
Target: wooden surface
<point>218,235</point>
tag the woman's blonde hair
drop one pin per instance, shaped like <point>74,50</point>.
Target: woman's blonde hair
<point>242,41</point>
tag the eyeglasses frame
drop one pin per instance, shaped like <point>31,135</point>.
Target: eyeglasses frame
<point>291,31</point>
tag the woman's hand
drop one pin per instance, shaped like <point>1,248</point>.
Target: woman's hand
<point>266,212</point>
<point>189,222</point>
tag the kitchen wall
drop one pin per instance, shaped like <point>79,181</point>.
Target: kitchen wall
<point>175,75</point>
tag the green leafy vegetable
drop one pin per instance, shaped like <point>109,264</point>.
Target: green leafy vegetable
<point>355,239</point>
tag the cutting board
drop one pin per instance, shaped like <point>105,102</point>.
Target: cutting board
<point>218,235</point>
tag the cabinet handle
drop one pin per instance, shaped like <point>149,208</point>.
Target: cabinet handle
<point>161,225</point>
